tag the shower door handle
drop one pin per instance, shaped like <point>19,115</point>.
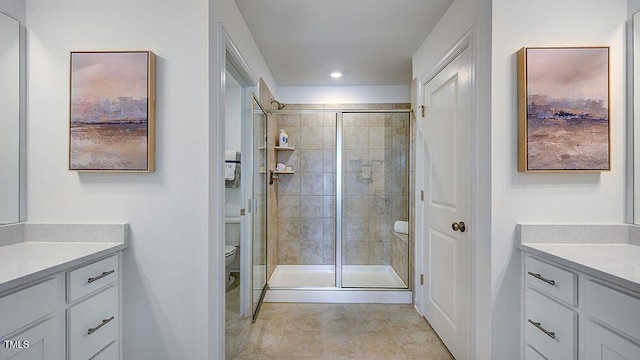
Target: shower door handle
<point>249,205</point>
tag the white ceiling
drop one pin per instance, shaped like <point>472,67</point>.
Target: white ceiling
<point>370,41</point>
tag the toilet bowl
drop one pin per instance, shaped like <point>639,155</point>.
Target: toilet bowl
<point>232,242</point>
<point>229,256</point>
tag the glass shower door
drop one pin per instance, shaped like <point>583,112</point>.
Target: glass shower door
<point>374,194</point>
<point>258,208</point>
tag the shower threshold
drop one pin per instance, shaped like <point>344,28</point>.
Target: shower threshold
<point>316,283</point>
<point>353,276</point>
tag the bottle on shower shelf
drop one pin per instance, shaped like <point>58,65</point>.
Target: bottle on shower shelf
<point>283,138</point>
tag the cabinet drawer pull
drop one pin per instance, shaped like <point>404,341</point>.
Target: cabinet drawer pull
<point>105,322</point>
<point>540,277</point>
<point>550,334</point>
<point>90,280</point>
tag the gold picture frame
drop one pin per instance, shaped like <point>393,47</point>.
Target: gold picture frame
<point>563,109</point>
<point>112,111</point>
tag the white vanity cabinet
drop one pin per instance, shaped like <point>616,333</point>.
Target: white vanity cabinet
<point>29,323</point>
<point>612,322</point>
<point>571,315</point>
<point>69,315</point>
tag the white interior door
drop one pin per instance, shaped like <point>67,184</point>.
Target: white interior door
<point>447,123</point>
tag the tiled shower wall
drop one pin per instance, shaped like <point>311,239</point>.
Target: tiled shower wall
<point>376,187</point>
<point>306,210</point>
<point>306,214</point>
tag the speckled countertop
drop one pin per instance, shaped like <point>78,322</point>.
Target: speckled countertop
<point>608,252</point>
<point>29,252</point>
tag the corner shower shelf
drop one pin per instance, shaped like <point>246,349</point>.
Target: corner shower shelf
<point>283,148</point>
<point>283,172</point>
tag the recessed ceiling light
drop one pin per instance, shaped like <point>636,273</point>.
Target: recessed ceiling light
<point>336,74</point>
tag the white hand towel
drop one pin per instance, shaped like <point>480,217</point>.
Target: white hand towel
<point>230,167</point>
<point>401,227</point>
<point>230,171</point>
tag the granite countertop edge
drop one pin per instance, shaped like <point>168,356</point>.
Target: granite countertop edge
<point>588,270</point>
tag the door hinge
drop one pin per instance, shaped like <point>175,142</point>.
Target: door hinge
<point>421,195</point>
<point>422,109</point>
<point>421,279</point>
<point>241,212</point>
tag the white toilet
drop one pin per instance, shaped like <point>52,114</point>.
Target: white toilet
<point>232,244</point>
<point>229,256</point>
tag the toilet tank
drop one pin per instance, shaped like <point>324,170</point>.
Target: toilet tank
<point>232,230</point>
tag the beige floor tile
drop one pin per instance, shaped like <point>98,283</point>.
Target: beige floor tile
<point>238,322</point>
<point>425,345</point>
<point>342,343</point>
<point>260,340</point>
<point>255,357</point>
<point>369,324</point>
<point>233,338</point>
<point>273,319</point>
<point>300,342</point>
<point>381,343</point>
<point>432,357</point>
<point>312,321</point>
<point>330,332</point>
<point>346,323</point>
<point>407,323</point>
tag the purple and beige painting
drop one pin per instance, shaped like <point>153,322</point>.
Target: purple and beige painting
<point>109,111</point>
<point>567,108</point>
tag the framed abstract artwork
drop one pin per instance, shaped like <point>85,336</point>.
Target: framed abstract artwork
<point>112,111</point>
<point>563,109</point>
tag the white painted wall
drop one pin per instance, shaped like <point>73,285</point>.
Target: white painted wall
<point>233,110</point>
<point>344,94</point>
<point>170,302</point>
<point>14,8</point>
<point>462,16</point>
<point>546,198</point>
<point>227,13</point>
<point>165,269</point>
<point>233,141</point>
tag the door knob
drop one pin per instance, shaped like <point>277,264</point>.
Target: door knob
<point>461,226</point>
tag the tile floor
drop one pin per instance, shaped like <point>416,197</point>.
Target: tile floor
<point>330,331</point>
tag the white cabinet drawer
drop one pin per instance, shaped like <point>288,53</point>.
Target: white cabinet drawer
<point>602,344</point>
<point>614,308</point>
<point>92,277</point>
<point>92,324</point>
<point>550,328</point>
<point>551,280</point>
<point>28,305</point>
<point>109,353</point>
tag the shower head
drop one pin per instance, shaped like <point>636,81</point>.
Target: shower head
<point>280,105</point>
